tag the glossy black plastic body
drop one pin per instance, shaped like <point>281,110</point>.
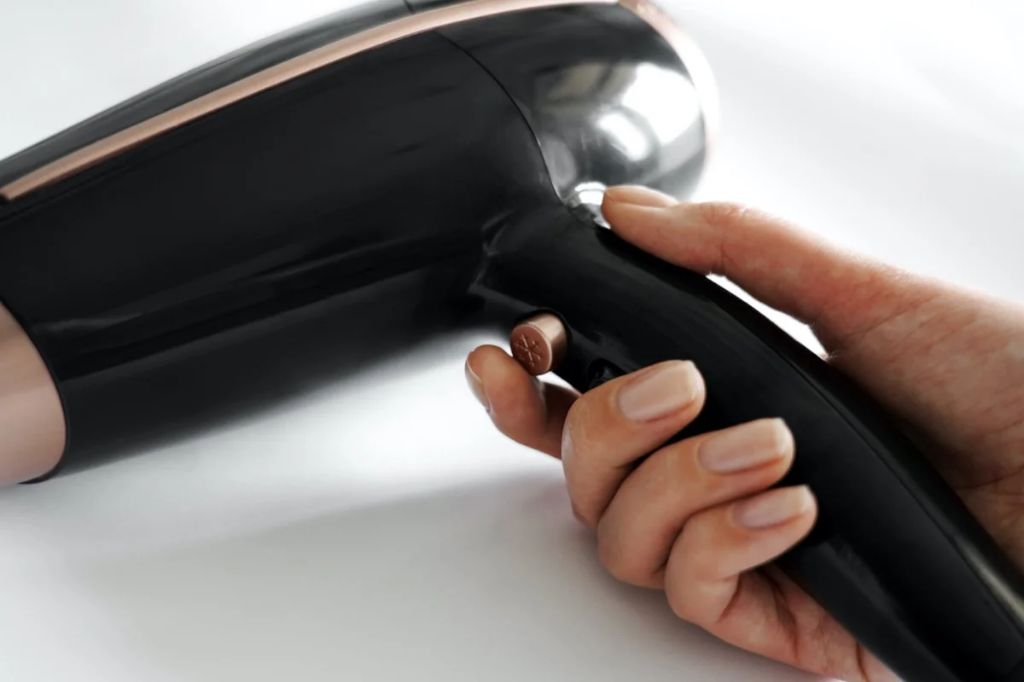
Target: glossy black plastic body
<point>429,183</point>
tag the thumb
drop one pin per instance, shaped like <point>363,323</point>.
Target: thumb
<point>840,295</point>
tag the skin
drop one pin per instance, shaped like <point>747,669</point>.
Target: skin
<point>949,363</point>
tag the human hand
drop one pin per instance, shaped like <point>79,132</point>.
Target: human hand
<point>697,518</point>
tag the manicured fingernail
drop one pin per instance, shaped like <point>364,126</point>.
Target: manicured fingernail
<point>477,386</point>
<point>660,391</point>
<point>774,507</point>
<point>745,446</point>
<point>639,196</point>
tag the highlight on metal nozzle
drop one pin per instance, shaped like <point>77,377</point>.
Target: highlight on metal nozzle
<point>585,201</point>
<point>539,343</point>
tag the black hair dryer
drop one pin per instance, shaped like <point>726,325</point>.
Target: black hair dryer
<point>401,168</point>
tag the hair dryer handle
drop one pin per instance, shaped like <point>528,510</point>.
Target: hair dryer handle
<point>894,556</point>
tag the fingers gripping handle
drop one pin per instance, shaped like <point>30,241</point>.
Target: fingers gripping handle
<point>894,556</point>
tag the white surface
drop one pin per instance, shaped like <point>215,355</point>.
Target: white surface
<point>379,529</point>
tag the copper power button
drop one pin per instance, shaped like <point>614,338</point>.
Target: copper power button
<point>539,343</point>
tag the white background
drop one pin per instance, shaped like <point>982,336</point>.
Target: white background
<point>379,529</point>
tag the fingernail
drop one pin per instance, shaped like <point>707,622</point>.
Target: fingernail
<point>774,507</point>
<point>660,391</point>
<point>745,446</point>
<point>639,196</point>
<point>477,386</point>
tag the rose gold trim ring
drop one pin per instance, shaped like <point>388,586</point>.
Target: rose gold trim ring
<point>32,427</point>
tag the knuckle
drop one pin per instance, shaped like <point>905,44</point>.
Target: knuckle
<point>576,411</point>
<point>679,467</point>
<point>703,567</point>
<point>722,214</point>
<point>675,475</point>
<point>611,560</point>
<point>582,516</point>
<point>699,554</point>
<point>684,587</point>
<point>616,563</point>
<point>622,571</point>
<point>577,425</point>
<point>679,602</point>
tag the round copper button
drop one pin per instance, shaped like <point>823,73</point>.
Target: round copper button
<point>539,343</point>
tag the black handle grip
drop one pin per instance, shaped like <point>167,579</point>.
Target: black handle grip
<point>894,556</point>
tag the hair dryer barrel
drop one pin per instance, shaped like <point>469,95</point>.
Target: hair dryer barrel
<point>166,269</point>
<point>333,186</point>
<point>136,282</point>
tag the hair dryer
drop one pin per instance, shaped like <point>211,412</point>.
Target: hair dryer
<point>403,168</point>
